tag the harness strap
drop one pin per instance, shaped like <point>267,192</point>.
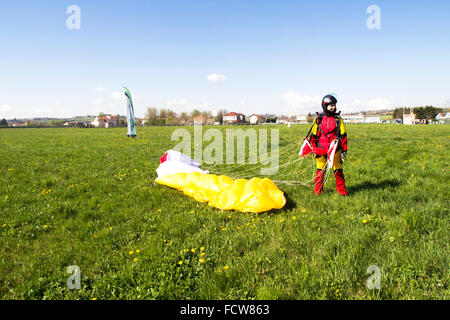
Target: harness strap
<point>338,125</point>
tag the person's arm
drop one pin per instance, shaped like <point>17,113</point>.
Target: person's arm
<point>314,134</point>
<point>343,140</point>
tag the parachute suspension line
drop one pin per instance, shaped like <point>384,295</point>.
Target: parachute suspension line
<point>238,168</point>
<point>249,172</point>
<point>297,170</point>
<point>295,166</point>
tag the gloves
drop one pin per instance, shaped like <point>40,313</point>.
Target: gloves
<point>343,155</point>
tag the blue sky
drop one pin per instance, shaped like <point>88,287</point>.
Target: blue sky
<point>273,56</point>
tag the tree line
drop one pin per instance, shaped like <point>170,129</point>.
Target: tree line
<point>427,112</point>
<point>165,116</point>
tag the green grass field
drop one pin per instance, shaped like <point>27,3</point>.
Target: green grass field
<point>87,197</point>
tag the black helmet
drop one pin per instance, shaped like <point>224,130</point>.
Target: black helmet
<point>326,101</point>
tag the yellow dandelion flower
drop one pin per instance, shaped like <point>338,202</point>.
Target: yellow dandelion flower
<point>202,249</point>
<point>45,226</point>
<point>364,221</point>
<point>135,260</point>
<point>131,252</point>
<point>192,250</point>
<point>3,225</point>
<point>225,268</point>
<point>95,236</point>
<point>180,262</point>
<point>10,169</point>
<point>94,298</point>
<point>201,260</point>
<point>294,217</point>
<point>412,175</point>
<point>159,210</point>
<point>110,228</point>
<point>137,251</point>
<point>304,210</point>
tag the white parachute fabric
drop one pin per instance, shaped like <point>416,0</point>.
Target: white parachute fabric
<point>305,149</point>
<point>175,162</point>
<point>173,155</point>
<point>331,153</point>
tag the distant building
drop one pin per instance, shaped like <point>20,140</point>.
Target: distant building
<point>372,119</point>
<point>409,118</point>
<point>282,120</point>
<point>233,118</point>
<point>199,120</point>
<point>443,118</point>
<point>107,121</point>
<point>270,118</point>
<point>257,119</point>
<point>78,124</point>
<point>350,118</point>
<point>302,119</point>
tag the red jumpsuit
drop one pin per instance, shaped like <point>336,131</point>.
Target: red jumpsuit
<point>324,131</point>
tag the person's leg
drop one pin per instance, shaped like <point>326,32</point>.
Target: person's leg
<point>320,173</point>
<point>339,174</point>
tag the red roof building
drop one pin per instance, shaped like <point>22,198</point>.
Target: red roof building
<point>234,118</point>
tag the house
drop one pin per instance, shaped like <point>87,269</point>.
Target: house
<point>302,119</point>
<point>257,119</point>
<point>350,118</point>
<point>107,121</point>
<point>199,120</point>
<point>372,119</point>
<point>282,120</point>
<point>270,118</point>
<point>443,118</point>
<point>74,124</point>
<point>234,118</point>
<point>409,118</point>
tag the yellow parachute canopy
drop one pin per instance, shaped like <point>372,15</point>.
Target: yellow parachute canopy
<point>222,192</point>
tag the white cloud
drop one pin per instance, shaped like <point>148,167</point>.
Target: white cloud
<point>11,112</point>
<point>298,104</point>
<point>100,89</point>
<point>367,105</point>
<point>216,78</point>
